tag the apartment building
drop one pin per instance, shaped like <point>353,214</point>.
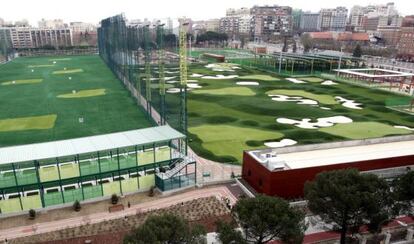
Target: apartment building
<point>271,21</point>
<point>30,37</point>
<point>334,19</point>
<point>310,22</point>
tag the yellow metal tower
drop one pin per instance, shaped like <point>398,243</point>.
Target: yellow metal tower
<point>183,80</point>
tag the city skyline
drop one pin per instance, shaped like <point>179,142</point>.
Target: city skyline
<point>11,11</point>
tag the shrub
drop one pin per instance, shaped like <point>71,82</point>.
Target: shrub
<point>76,206</point>
<point>32,214</point>
<point>151,192</point>
<point>114,199</point>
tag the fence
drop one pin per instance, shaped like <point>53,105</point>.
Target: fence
<point>59,52</point>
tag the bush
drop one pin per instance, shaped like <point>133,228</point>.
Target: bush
<point>114,199</point>
<point>32,214</point>
<point>151,192</point>
<point>76,206</point>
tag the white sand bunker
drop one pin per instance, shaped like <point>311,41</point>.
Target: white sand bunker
<point>192,81</point>
<point>173,90</point>
<point>169,78</point>
<point>403,127</point>
<point>194,86</point>
<point>326,108</point>
<point>221,67</point>
<point>296,81</point>
<point>247,83</point>
<point>220,77</point>
<point>195,75</point>
<point>321,122</point>
<point>282,143</point>
<point>348,103</point>
<point>299,100</point>
<point>328,83</point>
<point>172,81</point>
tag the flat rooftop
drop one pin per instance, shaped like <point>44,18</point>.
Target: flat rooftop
<point>362,73</point>
<point>323,157</point>
<point>91,144</point>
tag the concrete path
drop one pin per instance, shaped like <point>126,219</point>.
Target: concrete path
<point>164,202</point>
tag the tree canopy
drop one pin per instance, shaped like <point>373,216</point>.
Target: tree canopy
<point>347,199</point>
<point>404,192</point>
<point>212,36</point>
<point>228,234</point>
<point>265,218</point>
<point>166,228</point>
<point>357,51</point>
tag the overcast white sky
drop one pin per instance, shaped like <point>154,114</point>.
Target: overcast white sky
<point>95,10</point>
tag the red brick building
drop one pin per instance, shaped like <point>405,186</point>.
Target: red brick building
<point>283,172</point>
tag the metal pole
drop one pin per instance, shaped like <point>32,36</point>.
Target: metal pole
<point>340,61</point>
<point>280,62</point>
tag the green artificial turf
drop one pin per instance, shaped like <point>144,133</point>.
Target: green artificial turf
<point>363,130</point>
<point>222,124</point>
<point>235,91</point>
<point>259,77</point>
<point>23,104</point>
<point>324,99</point>
<point>227,140</point>
<point>83,94</point>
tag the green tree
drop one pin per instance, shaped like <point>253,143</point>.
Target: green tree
<point>307,42</point>
<point>357,51</point>
<point>228,234</point>
<point>347,199</point>
<point>285,45</point>
<point>166,228</point>
<point>265,218</point>
<point>404,192</point>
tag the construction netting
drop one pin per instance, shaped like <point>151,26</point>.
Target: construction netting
<point>149,69</point>
<point>6,47</point>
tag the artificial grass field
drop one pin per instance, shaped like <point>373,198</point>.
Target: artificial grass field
<point>47,104</point>
<point>226,118</point>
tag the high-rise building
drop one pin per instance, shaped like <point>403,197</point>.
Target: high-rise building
<point>296,19</point>
<point>237,12</point>
<point>51,24</point>
<point>169,26</point>
<point>406,43</point>
<point>230,26</point>
<point>1,22</point>
<point>22,23</point>
<point>271,21</point>
<point>310,22</point>
<point>333,19</point>
<point>213,25</point>
<point>359,15</point>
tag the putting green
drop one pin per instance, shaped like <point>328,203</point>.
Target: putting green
<point>28,123</point>
<point>259,77</point>
<point>84,93</point>
<point>232,91</point>
<point>362,130</point>
<point>20,82</point>
<point>227,140</point>
<point>68,71</point>
<point>324,99</point>
<point>40,65</point>
<point>312,79</point>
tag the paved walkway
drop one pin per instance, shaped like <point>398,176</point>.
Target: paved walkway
<point>218,191</point>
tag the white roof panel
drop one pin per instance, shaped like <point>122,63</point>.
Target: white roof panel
<point>56,149</point>
<point>322,157</point>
